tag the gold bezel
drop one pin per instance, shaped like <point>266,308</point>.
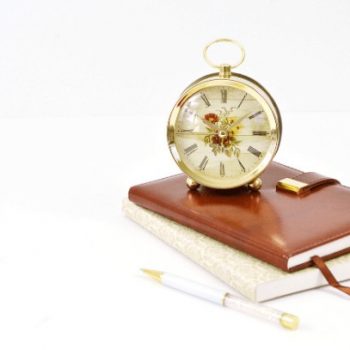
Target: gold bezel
<point>269,106</point>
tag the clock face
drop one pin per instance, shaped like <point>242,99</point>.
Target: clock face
<point>223,133</point>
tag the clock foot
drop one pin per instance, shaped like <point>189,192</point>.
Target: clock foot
<point>191,184</point>
<point>256,184</point>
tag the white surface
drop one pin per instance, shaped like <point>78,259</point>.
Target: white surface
<point>72,140</point>
<point>69,259</point>
<point>80,57</point>
<point>194,288</point>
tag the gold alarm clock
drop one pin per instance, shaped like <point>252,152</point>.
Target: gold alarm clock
<point>225,128</point>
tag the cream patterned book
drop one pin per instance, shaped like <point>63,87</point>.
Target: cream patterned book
<point>253,278</point>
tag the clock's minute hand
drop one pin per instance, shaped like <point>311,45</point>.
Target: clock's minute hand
<point>239,120</point>
<point>250,115</point>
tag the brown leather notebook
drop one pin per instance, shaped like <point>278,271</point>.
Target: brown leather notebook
<point>280,227</point>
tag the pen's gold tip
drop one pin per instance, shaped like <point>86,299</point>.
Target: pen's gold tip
<point>156,275</point>
<point>289,321</point>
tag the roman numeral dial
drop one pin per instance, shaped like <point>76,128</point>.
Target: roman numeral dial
<point>241,165</point>
<point>205,99</point>
<point>222,169</point>
<point>254,151</point>
<point>190,149</point>
<point>222,134</point>
<point>255,114</point>
<point>224,95</point>
<point>203,163</point>
<point>242,100</point>
<point>260,132</point>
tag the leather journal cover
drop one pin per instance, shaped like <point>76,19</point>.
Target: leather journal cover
<point>280,227</point>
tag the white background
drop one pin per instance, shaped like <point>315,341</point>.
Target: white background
<point>85,91</point>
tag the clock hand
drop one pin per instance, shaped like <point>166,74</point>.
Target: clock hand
<point>194,133</point>
<point>239,120</point>
<point>245,116</point>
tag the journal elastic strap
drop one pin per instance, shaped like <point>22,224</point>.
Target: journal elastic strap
<point>326,272</point>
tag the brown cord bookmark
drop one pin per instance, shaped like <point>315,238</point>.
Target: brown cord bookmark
<point>326,272</point>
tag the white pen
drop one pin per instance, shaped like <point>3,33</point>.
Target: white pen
<point>223,298</point>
